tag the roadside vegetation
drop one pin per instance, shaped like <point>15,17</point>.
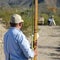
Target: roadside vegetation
<point>28,17</point>
<point>56,18</point>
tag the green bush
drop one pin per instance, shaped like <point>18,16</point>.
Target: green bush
<point>28,25</point>
<point>57,20</point>
<point>28,18</point>
<point>26,15</point>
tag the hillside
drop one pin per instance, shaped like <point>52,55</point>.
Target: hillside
<point>28,3</point>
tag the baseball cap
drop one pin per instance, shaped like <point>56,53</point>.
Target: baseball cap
<point>16,18</point>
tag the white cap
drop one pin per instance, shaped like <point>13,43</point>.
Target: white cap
<point>16,19</point>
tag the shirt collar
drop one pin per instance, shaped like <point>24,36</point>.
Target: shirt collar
<point>14,28</point>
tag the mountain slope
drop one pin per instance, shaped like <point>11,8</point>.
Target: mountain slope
<point>26,2</point>
<point>18,2</point>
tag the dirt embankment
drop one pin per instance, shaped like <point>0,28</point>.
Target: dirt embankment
<point>2,32</point>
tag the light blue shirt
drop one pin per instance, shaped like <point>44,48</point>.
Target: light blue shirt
<point>16,45</point>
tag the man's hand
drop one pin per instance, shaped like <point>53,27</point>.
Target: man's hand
<point>35,52</point>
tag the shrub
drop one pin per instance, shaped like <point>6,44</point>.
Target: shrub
<point>26,15</point>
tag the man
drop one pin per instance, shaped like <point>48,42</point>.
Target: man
<point>51,21</point>
<point>16,45</point>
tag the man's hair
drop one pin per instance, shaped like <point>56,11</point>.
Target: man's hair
<point>13,24</point>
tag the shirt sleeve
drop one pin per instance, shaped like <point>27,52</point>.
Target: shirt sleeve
<point>25,46</point>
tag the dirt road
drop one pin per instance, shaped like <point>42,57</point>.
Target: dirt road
<point>49,43</point>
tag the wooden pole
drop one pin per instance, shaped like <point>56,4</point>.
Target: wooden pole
<point>35,27</point>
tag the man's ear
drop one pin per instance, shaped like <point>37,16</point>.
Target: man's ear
<point>19,24</point>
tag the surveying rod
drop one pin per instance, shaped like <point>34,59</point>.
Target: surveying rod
<point>35,27</point>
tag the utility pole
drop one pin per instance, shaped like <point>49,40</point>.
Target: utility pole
<point>35,26</point>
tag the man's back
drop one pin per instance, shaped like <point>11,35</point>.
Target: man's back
<point>14,47</point>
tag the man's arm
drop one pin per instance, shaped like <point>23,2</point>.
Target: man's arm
<point>25,46</point>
